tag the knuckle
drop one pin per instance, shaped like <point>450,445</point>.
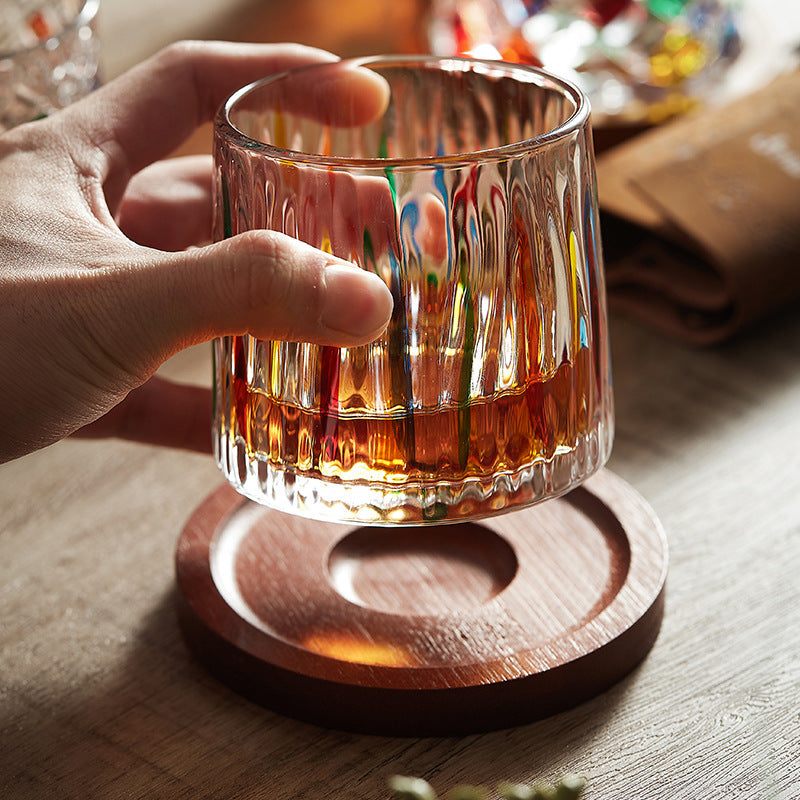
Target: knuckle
<point>180,60</point>
<point>178,53</point>
<point>264,274</point>
<point>272,285</point>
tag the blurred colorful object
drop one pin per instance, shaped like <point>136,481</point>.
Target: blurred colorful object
<point>640,61</point>
<point>49,51</point>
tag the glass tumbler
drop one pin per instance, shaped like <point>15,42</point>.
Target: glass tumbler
<point>49,52</point>
<point>472,195</point>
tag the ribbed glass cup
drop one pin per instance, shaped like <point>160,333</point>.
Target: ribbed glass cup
<point>473,197</point>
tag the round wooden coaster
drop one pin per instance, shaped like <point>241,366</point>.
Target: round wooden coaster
<point>435,630</point>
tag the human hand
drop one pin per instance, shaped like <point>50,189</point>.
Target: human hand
<point>98,286</point>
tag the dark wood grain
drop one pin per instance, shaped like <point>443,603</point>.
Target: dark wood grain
<point>434,631</point>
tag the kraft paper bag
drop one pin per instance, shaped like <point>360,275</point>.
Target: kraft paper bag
<point>701,218</point>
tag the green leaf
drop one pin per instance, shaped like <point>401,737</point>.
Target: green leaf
<point>515,791</point>
<point>544,791</point>
<point>570,787</point>
<point>406,788</point>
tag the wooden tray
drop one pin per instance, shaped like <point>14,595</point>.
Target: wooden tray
<point>434,630</point>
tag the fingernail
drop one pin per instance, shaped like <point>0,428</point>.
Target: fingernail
<point>357,303</point>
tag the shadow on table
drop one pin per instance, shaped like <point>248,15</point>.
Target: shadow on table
<point>161,727</point>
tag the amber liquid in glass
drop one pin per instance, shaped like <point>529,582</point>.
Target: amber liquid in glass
<point>502,433</point>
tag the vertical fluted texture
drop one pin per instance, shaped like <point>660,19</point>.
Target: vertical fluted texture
<point>490,387</point>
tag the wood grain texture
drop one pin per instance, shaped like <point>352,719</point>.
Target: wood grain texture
<point>436,630</point>
<point>98,698</point>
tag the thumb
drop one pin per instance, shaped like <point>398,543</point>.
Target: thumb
<point>259,282</point>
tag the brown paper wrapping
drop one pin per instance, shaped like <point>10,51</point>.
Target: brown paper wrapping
<point>701,218</point>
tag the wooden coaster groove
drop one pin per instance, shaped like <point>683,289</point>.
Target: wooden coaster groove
<point>433,630</point>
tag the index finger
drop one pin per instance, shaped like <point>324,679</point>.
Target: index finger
<point>340,94</point>
<point>146,113</point>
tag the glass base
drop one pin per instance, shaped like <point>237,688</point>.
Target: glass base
<point>412,503</point>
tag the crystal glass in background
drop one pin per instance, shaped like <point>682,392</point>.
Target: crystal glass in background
<point>48,56</point>
<point>473,198</point>
<point>640,61</point>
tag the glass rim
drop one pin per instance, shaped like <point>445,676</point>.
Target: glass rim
<point>224,126</point>
<point>84,16</point>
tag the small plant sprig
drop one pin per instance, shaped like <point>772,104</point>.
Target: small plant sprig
<point>569,787</point>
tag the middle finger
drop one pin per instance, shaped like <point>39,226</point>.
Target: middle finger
<point>167,205</point>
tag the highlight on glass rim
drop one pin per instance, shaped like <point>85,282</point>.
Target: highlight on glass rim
<point>472,195</point>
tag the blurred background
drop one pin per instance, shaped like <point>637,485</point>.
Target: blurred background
<point>767,30</point>
<point>647,66</point>
<point>642,61</point>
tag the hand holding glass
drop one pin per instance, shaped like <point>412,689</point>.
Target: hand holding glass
<point>470,191</point>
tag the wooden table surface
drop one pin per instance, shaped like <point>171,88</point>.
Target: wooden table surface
<point>99,699</point>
